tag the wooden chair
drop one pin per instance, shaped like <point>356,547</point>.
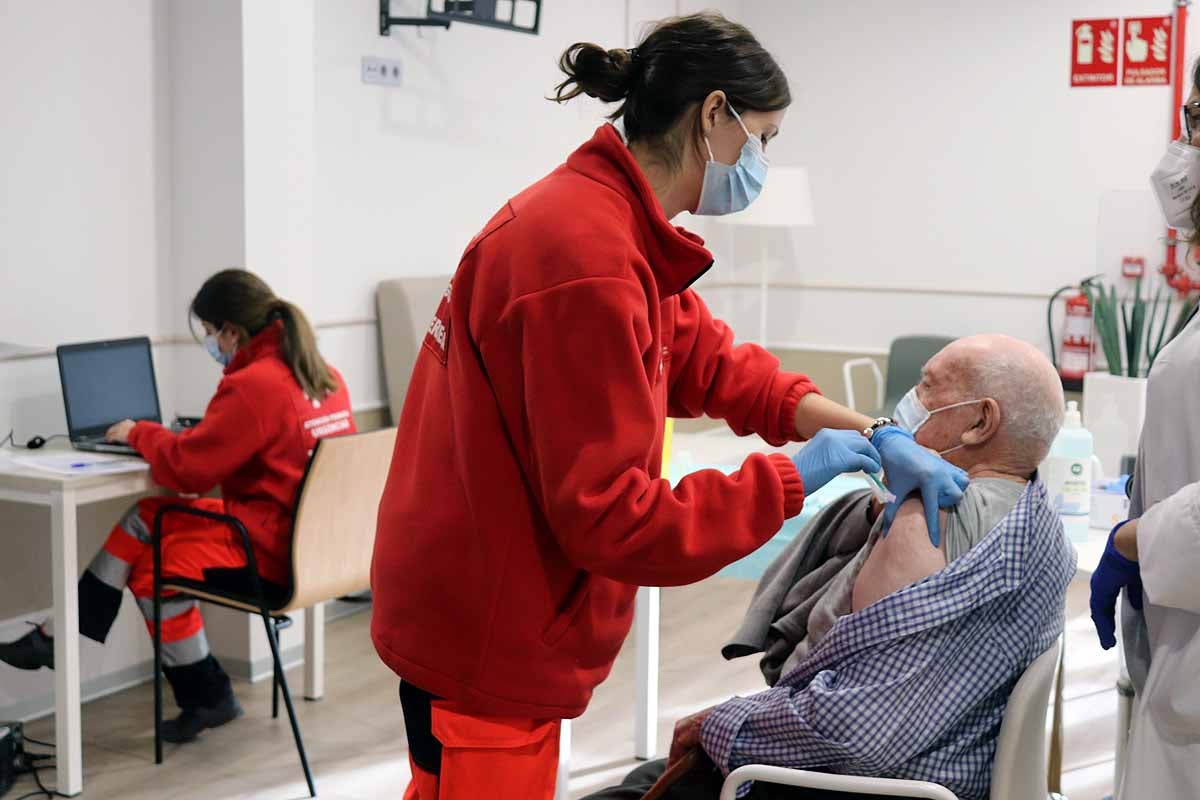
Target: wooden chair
<point>333,537</point>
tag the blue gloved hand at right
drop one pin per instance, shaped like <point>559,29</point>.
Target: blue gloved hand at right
<point>910,469</point>
<point>831,453</point>
<point>1114,573</point>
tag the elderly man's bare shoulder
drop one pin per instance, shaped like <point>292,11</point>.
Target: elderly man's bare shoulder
<point>906,555</point>
<point>900,559</point>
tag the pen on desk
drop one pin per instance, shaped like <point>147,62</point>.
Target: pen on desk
<point>80,465</point>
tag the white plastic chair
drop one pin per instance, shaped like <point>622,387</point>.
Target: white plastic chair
<point>1018,773</point>
<point>848,379</point>
<point>906,357</point>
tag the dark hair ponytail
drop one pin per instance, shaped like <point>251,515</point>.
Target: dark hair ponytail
<point>679,63</point>
<point>596,72</point>
<point>245,301</point>
<point>301,354</point>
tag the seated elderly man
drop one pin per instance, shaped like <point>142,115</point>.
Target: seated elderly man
<point>890,654</point>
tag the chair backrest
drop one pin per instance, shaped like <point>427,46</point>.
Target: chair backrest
<point>905,359</point>
<point>1019,772</point>
<point>406,307</point>
<point>333,535</point>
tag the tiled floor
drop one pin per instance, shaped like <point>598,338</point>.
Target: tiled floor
<point>355,736</point>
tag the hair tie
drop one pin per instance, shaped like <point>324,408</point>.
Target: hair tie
<point>633,54</point>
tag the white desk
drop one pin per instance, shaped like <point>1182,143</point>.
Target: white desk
<point>1089,558</point>
<point>1089,552</point>
<point>63,495</point>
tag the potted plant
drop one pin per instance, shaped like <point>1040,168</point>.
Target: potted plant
<point>1132,332</point>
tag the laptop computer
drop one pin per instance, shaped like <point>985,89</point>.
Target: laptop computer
<point>104,383</point>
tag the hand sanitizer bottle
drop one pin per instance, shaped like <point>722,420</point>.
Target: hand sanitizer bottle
<point>1067,470</point>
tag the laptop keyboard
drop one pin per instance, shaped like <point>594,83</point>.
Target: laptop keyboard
<point>100,444</point>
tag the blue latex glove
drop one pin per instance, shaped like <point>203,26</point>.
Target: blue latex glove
<point>910,469</point>
<point>1114,573</point>
<point>830,453</point>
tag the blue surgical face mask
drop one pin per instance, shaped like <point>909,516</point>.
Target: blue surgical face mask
<point>911,414</point>
<point>214,350</point>
<point>729,188</point>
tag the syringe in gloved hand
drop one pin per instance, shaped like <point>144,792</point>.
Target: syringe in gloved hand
<point>880,491</point>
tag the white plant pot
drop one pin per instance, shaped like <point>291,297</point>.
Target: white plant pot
<point>1113,410</point>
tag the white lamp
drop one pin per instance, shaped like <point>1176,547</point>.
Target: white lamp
<point>785,202</point>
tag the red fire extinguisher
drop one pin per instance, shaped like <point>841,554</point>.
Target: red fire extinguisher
<point>1074,359</point>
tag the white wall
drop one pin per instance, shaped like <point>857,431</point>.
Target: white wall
<point>78,203</point>
<point>946,151</point>
<point>82,228</point>
<point>84,238</point>
<point>207,178</point>
<point>405,177</point>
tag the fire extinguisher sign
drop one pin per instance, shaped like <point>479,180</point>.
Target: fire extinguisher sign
<point>1094,47</point>
<point>1146,52</point>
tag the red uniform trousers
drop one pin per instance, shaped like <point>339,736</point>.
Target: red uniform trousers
<point>500,758</point>
<point>191,548</point>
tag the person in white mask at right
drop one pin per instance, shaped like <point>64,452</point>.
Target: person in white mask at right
<point>1154,556</point>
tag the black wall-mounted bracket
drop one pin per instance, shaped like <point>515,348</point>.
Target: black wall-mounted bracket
<point>387,21</point>
<point>522,16</point>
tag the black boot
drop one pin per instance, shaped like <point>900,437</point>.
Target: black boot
<point>187,726</point>
<point>32,651</point>
<point>206,696</point>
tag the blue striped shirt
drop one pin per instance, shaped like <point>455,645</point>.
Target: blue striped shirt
<point>914,686</point>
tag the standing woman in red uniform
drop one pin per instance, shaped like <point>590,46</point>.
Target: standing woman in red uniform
<point>525,505</point>
<point>275,400</point>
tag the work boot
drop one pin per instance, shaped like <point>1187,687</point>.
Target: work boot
<point>187,726</point>
<point>32,651</point>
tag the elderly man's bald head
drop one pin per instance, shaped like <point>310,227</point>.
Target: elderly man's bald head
<point>1020,408</point>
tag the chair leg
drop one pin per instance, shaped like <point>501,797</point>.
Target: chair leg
<point>287,699</point>
<point>158,745</point>
<point>275,693</point>
<point>275,677</point>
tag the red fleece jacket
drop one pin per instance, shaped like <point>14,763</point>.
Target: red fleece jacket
<point>254,442</point>
<point>524,504</point>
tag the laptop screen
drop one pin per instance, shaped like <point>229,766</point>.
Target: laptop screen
<point>106,382</point>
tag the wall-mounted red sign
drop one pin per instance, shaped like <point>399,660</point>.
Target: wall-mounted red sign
<point>1146,51</point>
<point>1094,52</point>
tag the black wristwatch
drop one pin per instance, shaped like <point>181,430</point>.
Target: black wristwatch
<point>881,422</point>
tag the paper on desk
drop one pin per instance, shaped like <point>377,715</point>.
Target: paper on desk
<point>76,463</point>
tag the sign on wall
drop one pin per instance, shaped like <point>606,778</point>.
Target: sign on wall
<point>1094,52</point>
<point>1146,51</point>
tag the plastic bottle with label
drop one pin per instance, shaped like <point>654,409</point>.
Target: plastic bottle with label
<point>1067,470</point>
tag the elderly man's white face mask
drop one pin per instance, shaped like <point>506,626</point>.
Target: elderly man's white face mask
<point>911,414</point>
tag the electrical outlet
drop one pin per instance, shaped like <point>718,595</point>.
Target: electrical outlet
<point>384,71</point>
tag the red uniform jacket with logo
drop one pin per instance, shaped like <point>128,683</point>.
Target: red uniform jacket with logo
<point>524,504</point>
<point>254,441</point>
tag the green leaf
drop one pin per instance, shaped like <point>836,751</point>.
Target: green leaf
<point>1105,318</point>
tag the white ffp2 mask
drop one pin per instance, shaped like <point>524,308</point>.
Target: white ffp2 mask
<point>1176,182</point>
<point>911,414</point>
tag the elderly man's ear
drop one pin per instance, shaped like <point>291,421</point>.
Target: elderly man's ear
<point>986,424</point>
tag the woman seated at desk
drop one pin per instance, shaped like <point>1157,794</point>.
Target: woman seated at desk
<point>275,400</point>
